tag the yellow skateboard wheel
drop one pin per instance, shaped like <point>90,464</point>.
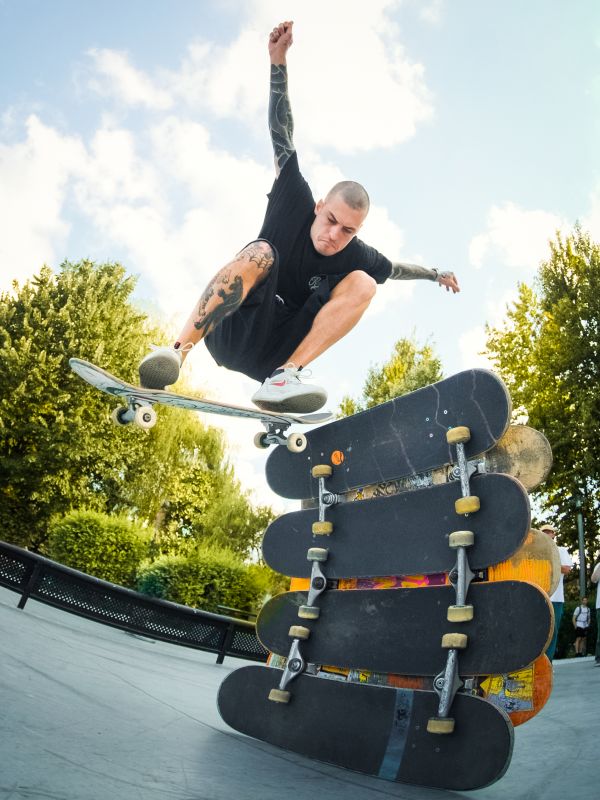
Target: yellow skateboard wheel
<point>309,612</point>
<point>454,641</point>
<point>322,471</point>
<point>299,632</point>
<point>322,528</point>
<point>461,539</point>
<point>460,613</point>
<point>458,435</point>
<point>279,696</point>
<point>467,505</point>
<point>440,725</point>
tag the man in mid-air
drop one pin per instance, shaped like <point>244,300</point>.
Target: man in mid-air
<point>302,285</point>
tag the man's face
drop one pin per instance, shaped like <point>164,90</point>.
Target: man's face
<point>335,225</point>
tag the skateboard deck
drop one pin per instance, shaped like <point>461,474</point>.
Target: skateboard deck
<point>401,630</point>
<point>139,402</point>
<point>403,533</point>
<point>522,452</point>
<point>378,731</point>
<point>536,561</point>
<point>402,437</point>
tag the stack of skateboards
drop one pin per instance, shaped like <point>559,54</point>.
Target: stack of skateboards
<point>413,637</point>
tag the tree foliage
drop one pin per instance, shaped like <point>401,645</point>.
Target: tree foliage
<point>547,351</point>
<point>410,367</point>
<point>58,448</point>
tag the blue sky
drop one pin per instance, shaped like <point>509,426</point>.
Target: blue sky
<point>136,131</point>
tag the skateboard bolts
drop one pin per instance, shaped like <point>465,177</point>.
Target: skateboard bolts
<point>295,665</point>
<point>319,583</point>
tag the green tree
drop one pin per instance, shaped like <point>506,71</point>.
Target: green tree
<point>410,367</point>
<point>547,351</point>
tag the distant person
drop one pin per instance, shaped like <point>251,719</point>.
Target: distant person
<point>558,598</point>
<point>581,622</point>
<point>300,286</point>
<point>595,579</point>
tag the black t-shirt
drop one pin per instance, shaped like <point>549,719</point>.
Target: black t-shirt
<point>288,219</point>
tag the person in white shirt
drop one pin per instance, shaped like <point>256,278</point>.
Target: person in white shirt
<point>581,622</point>
<point>595,579</point>
<point>558,598</point>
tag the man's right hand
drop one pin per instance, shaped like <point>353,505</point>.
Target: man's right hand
<point>280,41</point>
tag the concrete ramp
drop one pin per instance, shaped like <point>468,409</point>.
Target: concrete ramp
<point>88,712</point>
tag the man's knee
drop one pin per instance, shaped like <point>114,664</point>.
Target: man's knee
<point>360,286</point>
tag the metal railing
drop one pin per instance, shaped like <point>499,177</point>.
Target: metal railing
<point>39,578</point>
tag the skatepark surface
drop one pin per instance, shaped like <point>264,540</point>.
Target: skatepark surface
<point>89,712</point>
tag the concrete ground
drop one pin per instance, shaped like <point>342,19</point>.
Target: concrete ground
<point>88,712</point>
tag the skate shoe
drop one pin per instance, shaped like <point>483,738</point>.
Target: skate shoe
<point>160,368</point>
<point>285,392</point>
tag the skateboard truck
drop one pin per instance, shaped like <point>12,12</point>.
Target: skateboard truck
<point>447,683</point>
<point>462,575</point>
<point>326,499</point>
<point>295,665</point>
<point>143,416</point>
<point>318,582</point>
<point>276,434</point>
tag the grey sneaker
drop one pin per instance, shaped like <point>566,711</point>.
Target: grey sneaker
<point>285,392</point>
<point>160,368</point>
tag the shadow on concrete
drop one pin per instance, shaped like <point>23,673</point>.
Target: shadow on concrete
<point>88,712</point>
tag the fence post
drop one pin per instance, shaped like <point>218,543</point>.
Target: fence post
<point>31,583</point>
<point>227,640</point>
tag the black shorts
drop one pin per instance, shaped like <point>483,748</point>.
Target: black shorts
<point>581,633</point>
<point>263,333</point>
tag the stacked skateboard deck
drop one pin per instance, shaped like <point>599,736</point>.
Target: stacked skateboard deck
<point>417,690</point>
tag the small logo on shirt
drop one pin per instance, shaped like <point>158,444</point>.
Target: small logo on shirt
<point>315,282</point>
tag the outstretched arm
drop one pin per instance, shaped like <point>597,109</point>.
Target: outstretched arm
<point>281,123</point>
<point>411,272</point>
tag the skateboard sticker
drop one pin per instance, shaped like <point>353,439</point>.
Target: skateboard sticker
<point>512,692</point>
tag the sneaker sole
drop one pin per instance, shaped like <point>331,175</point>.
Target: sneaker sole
<point>158,373</point>
<point>305,404</point>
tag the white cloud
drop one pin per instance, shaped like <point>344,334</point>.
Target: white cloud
<point>472,346</point>
<point>591,221</point>
<point>432,12</point>
<point>115,77</point>
<point>517,237</point>
<point>34,181</point>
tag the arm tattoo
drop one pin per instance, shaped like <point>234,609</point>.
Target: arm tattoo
<point>411,272</point>
<point>281,123</point>
<point>231,296</point>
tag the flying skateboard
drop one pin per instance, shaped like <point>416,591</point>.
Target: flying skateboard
<point>522,452</point>
<point>402,437</point>
<point>140,401</point>
<point>401,533</point>
<point>407,631</point>
<point>378,731</point>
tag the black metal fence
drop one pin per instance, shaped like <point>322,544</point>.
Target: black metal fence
<point>34,576</point>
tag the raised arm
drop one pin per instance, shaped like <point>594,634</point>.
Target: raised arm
<point>412,272</point>
<point>281,123</point>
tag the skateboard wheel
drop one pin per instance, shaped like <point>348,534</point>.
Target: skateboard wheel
<point>440,725</point>
<point>145,417</point>
<point>454,641</point>
<point>299,632</point>
<point>321,471</point>
<point>461,539</point>
<point>118,416</point>
<point>458,435</point>
<point>279,696</point>
<point>317,554</point>
<point>322,528</point>
<point>467,505</point>
<point>296,442</point>
<point>309,612</point>
<point>260,441</point>
<point>460,613</point>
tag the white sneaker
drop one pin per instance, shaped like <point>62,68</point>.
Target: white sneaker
<point>160,368</point>
<point>285,392</point>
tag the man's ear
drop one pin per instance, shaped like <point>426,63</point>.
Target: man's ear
<point>319,206</point>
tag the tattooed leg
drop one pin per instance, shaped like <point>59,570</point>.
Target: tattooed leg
<point>226,292</point>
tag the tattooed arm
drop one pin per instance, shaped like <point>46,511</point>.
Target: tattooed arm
<point>281,123</point>
<point>411,272</point>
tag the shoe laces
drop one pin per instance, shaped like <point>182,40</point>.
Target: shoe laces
<point>306,373</point>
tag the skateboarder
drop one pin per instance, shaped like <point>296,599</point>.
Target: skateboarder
<point>298,288</point>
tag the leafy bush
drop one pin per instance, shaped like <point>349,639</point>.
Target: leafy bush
<point>204,578</point>
<point>108,547</point>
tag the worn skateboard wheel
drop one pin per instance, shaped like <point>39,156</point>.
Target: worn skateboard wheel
<point>279,696</point>
<point>317,554</point>
<point>321,471</point>
<point>309,612</point>
<point>454,641</point>
<point>260,440</point>
<point>467,505</point>
<point>460,613</point>
<point>118,416</point>
<point>461,539</point>
<point>299,632</point>
<point>296,442</point>
<point>440,725</point>
<point>145,417</point>
<point>322,528</point>
<point>458,435</point>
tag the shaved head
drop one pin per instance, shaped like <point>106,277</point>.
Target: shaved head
<point>353,194</point>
